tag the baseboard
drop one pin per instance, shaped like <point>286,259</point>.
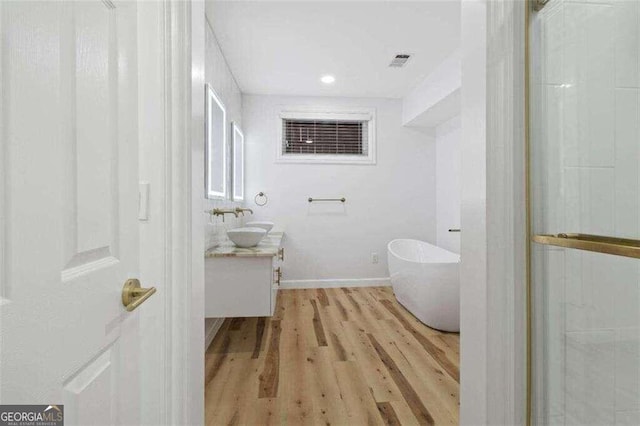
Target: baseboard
<point>359,282</point>
<point>211,328</point>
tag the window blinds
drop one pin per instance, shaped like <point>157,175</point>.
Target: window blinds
<point>332,137</point>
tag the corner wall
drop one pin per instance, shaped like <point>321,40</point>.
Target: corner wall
<point>448,163</point>
<point>219,76</point>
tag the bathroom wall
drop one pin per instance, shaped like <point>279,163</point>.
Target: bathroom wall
<point>586,178</point>
<point>434,105</point>
<point>448,135</point>
<point>219,76</point>
<point>396,198</point>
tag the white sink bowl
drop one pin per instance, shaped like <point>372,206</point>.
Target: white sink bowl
<point>264,225</point>
<point>246,237</point>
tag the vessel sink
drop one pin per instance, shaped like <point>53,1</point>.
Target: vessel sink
<point>246,237</point>
<point>264,225</point>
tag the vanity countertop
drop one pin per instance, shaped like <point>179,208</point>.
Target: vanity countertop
<point>268,247</point>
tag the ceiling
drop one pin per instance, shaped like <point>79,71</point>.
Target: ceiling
<point>284,47</point>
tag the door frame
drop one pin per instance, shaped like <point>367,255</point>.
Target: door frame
<point>174,251</point>
<point>184,59</point>
<point>493,271</point>
<point>493,299</point>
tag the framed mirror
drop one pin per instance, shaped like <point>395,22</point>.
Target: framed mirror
<point>237,142</point>
<point>215,147</point>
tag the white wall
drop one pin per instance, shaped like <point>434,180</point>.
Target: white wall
<point>448,160</point>
<point>393,199</point>
<point>219,76</point>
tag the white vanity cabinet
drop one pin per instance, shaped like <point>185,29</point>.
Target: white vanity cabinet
<point>243,282</point>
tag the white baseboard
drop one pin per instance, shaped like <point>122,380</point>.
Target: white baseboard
<point>211,328</point>
<point>358,282</point>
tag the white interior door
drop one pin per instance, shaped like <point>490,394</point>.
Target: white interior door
<point>69,202</point>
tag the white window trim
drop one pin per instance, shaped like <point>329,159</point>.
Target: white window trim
<point>357,113</point>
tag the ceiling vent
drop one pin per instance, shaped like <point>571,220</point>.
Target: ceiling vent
<point>399,61</point>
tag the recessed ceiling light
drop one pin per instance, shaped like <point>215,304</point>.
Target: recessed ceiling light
<point>328,79</point>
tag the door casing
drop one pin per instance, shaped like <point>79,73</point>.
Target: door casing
<point>173,247</point>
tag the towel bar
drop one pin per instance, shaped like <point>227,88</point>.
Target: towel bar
<point>342,200</point>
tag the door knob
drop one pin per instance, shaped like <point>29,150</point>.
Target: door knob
<point>133,295</point>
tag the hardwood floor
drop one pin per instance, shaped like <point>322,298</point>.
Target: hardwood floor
<point>350,356</point>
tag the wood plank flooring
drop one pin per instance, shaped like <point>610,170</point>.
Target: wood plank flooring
<point>350,356</point>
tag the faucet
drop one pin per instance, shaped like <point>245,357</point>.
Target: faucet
<point>220,212</point>
<point>241,210</point>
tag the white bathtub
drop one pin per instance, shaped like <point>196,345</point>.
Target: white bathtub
<point>426,281</point>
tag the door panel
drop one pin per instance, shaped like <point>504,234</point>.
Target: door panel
<point>90,232</point>
<point>89,394</point>
<point>91,145</point>
<point>69,116</point>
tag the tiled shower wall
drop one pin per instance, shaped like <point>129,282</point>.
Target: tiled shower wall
<point>586,178</point>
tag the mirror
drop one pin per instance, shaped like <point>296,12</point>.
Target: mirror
<point>215,155</point>
<point>238,162</point>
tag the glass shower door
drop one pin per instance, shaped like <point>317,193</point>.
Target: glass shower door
<point>585,211</point>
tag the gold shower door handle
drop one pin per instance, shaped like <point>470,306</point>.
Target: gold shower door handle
<point>133,295</point>
<point>596,243</point>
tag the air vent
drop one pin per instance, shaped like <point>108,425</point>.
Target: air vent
<point>399,61</point>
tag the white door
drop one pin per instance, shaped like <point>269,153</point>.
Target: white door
<point>68,206</point>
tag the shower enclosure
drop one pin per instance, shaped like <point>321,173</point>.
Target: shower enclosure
<point>584,189</point>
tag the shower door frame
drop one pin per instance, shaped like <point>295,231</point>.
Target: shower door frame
<point>537,5</point>
<point>594,243</point>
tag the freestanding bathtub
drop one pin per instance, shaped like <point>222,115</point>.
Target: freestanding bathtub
<point>426,281</point>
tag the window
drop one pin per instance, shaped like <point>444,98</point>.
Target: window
<point>324,137</point>
<point>327,137</point>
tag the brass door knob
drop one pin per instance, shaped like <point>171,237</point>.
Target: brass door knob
<point>133,295</point>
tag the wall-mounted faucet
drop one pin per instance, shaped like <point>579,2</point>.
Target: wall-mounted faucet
<point>220,212</point>
<point>241,210</point>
